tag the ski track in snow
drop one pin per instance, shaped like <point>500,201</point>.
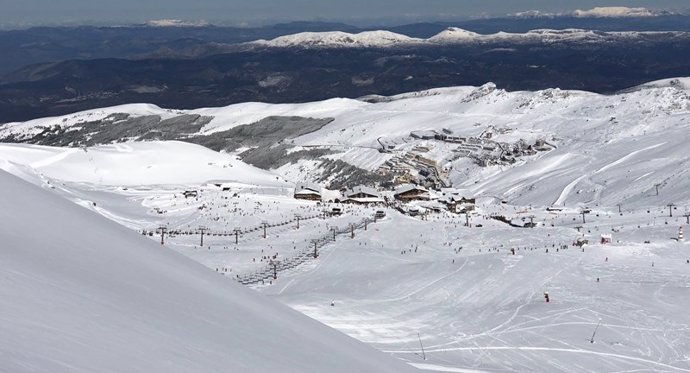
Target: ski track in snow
<point>625,158</point>
<point>550,349</point>
<point>567,190</point>
<point>123,148</point>
<point>63,154</point>
<point>440,368</point>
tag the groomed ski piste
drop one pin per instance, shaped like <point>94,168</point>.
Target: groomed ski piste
<point>81,293</point>
<point>446,292</point>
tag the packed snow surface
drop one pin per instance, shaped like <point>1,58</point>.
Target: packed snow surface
<point>475,306</point>
<point>142,163</point>
<point>82,294</point>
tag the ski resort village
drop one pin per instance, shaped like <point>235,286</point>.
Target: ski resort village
<point>465,229</point>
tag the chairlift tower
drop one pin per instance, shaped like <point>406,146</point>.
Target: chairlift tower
<point>335,230</point>
<point>264,224</point>
<point>584,212</point>
<point>670,209</point>
<point>237,232</point>
<point>274,266</point>
<point>162,230</point>
<point>202,229</point>
<point>316,252</point>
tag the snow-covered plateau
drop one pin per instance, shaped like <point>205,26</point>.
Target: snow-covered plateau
<point>578,196</point>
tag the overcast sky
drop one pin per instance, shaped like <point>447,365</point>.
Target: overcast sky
<point>27,12</point>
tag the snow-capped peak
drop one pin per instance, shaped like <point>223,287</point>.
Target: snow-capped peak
<point>175,23</point>
<point>530,14</point>
<point>615,12</point>
<point>677,83</point>
<point>454,34</point>
<point>339,38</point>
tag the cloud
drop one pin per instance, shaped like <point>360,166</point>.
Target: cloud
<point>75,11</point>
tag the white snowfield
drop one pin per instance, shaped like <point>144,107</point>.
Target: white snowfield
<point>137,163</point>
<point>408,287</point>
<point>80,293</point>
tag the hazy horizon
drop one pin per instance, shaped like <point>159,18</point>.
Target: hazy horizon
<point>234,12</point>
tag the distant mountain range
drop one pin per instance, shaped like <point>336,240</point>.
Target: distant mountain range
<point>599,12</point>
<point>54,71</point>
<point>455,35</point>
<point>182,38</point>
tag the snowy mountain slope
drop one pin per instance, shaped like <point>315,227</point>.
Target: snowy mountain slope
<point>621,145</point>
<point>88,295</point>
<point>137,163</point>
<point>680,83</point>
<point>36,126</point>
<point>246,113</point>
<point>475,306</point>
<point>457,290</point>
<point>608,149</point>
